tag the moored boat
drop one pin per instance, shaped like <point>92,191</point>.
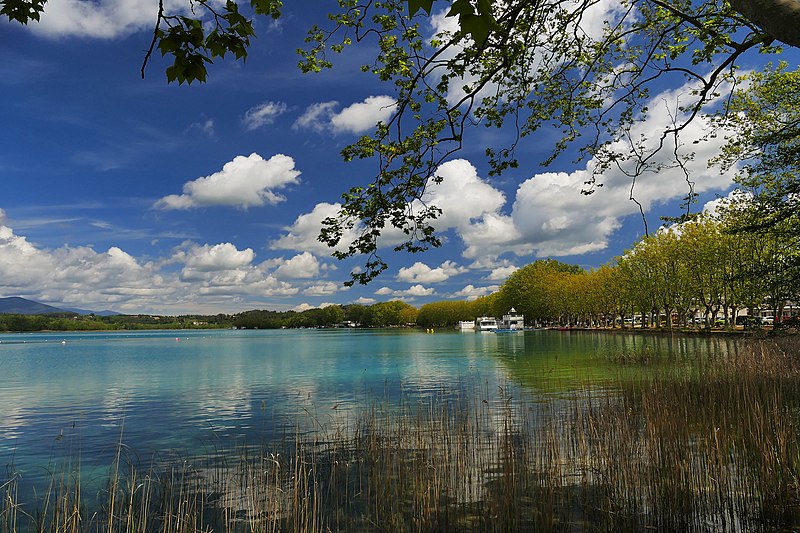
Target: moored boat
<point>485,323</point>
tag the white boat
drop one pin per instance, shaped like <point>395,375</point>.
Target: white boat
<point>485,323</point>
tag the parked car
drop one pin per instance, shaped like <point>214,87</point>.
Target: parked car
<point>745,320</point>
<point>768,320</point>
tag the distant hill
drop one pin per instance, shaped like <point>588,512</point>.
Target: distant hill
<point>22,306</point>
<point>105,312</point>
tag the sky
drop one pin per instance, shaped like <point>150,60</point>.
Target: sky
<point>139,196</point>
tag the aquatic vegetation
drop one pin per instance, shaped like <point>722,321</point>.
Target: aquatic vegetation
<point>710,444</point>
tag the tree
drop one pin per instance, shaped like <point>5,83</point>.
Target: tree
<point>538,291</point>
<point>764,135</point>
<point>523,64</point>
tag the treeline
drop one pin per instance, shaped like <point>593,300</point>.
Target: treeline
<point>72,322</point>
<point>384,314</point>
<point>698,268</point>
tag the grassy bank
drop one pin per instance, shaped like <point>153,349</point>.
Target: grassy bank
<point>707,444</point>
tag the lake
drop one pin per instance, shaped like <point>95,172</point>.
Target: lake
<point>187,390</point>
<point>400,429</point>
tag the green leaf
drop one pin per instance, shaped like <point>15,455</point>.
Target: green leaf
<point>416,5</point>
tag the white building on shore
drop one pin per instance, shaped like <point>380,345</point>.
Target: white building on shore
<point>513,320</point>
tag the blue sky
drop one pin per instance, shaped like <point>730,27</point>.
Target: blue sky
<point>139,196</point>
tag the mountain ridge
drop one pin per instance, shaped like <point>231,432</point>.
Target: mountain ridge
<point>22,306</point>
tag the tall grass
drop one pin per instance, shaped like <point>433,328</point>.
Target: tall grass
<point>709,444</point>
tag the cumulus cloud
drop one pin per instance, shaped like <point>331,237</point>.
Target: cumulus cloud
<point>209,277</point>
<point>553,218</point>
<point>362,116</point>
<point>303,265</point>
<point>223,256</point>
<point>549,216</point>
<point>422,273</point>
<point>302,234</point>
<point>364,301</point>
<point>262,115</point>
<point>592,23</point>
<point>418,290</point>
<point>244,182</point>
<point>317,116</point>
<point>322,289</point>
<point>735,197</point>
<point>74,274</point>
<point>411,292</point>
<point>501,273</point>
<point>463,196</point>
<point>355,118</point>
<point>470,292</point>
<point>104,19</point>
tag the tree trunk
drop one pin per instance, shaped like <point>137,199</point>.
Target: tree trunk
<point>778,18</point>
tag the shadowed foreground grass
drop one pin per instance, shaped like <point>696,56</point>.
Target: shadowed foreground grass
<point>705,445</point>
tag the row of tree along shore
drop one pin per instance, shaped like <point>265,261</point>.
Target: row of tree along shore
<point>697,273</point>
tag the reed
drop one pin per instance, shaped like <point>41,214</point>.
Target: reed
<point>703,444</point>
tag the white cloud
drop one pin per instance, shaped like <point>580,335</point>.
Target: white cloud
<point>2,216</point>
<point>317,116</point>
<point>470,292</point>
<point>363,116</point>
<point>501,273</point>
<point>418,290</point>
<point>364,301</point>
<point>244,182</point>
<point>550,216</point>
<point>301,266</point>
<point>554,218</point>
<point>262,114</point>
<point>422,273</point>
<point>322,289</point>
<point>205,126</point>
<point>302,234</point>
<point>413,291</point>
<point>735,197</point>
<point>104,19</point>
<point>462,196</point>
<point>355,118</point>
<point>210,278</point>
<point>223,256</point>
<point>592,23</point>
<point>299,308</point>
<point>74,274</point>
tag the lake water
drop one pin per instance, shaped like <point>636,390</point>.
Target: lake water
<point>80,394</point>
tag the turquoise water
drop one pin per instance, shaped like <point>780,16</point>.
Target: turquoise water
<point>80,394</point>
